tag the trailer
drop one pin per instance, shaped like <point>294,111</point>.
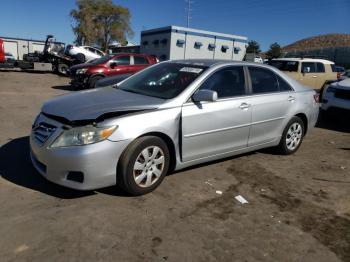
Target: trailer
<point>52,59</point>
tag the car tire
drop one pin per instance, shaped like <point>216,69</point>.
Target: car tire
<point>81,58</point>
<point>93,80</point>
<point>143,165</point>
<point>292,136</point>
<point>62,69</point>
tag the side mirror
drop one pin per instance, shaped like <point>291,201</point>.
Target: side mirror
<point>113,65</point>
<point>306,70</point>
<point>205,95</point>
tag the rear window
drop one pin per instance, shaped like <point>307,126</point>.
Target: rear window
<point>320,68</point>
<point>334,69</point>
<point>285,65</point>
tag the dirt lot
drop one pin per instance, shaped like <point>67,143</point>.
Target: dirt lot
<point>298,210</point>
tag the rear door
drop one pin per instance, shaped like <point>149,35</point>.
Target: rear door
<point>120,65</point>
<point>309,74</point>
<point>214,128</point>
<point>272,99</point>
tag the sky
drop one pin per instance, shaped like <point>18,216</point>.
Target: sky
<point>266,21</point>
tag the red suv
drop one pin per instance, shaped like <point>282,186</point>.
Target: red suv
<point>86,75</point>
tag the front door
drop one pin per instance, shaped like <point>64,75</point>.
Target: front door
<point>120,65</point>
<point>214,128</point>
<point>309,75</point>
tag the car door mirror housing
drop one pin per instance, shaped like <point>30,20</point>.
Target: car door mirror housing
<point>113,65</point>
<point>205,95</point>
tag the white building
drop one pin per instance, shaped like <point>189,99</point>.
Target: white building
<point>19,46</point>
<point>174,42</point>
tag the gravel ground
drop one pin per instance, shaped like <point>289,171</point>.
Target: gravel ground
<point>298,210</point>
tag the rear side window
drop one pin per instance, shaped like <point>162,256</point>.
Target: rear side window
<point>140,60</point>
<point>122,60</point>
<point>310,65</point>
<point>283,85</point>
<point>334,69</point>
<point>227,82</point>
<point>320,68</point>
<point>263,80</point>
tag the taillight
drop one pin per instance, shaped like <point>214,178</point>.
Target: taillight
<point>317,98</point>
<point>338,75</point>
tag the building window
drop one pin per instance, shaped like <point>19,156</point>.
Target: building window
<point>211,47</point>
<point>156,42</point>
<point>164,41</point>
<point>180,42</point>
<point>224,48</point>
<point>236,50</point>
<point>198,45</point>
<point>145,43</point>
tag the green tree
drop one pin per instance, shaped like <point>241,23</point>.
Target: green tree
<point>253,47</point>
<point>275,51</point>
<point>98,22</point>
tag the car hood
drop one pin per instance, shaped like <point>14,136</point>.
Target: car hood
<point>344,84</point>
<point>95,103</point>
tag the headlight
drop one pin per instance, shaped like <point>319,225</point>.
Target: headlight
<point>86,135</point>
<point>81,71</point>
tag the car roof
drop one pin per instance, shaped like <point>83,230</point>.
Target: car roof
<point>215,62</point>
<point>324,61</point>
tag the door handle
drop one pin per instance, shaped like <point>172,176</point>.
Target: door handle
<point>291,98</point>
<point>244,106</point>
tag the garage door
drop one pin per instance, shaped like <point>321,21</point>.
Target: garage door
<point>11,47</point>
<point>37,47</point>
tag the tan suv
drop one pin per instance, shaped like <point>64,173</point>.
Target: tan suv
<point>315,73</point>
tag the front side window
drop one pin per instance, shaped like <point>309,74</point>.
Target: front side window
<point>227,82</point>
<point>122,60</point>
<point>320,68</point>
<point>166,80</point>
<point>308,67</point>
<point>140,60</point>
<point>263,80</point>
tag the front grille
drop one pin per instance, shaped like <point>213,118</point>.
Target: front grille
<point>42,132</point>
<point>342,94</point>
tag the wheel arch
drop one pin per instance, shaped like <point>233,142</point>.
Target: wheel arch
<point>171,146</point>
<point>303,117</point>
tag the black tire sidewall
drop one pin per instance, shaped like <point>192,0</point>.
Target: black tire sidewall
<point>125,169</point>
<point>93,80</point>
<point>283,144</point>
<point>59,69</point>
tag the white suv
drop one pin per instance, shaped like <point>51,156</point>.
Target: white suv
<point>83,53</point>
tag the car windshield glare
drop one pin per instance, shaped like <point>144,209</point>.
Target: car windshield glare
<point>165,80</point>
<point>101,60</point>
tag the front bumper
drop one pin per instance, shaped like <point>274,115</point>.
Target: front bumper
<point>330,101</point>
<point>96,162</point>
<point>80,80</point>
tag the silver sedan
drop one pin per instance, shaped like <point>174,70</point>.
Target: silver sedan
<point>167,117</point>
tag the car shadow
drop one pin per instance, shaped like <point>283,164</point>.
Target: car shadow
<point>67,88</point>
<point>335,120</point>
<point>16,167</point>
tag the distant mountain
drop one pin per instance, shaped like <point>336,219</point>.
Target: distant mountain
<point>321,41</point>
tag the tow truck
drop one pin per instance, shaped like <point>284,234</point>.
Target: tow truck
<point>52,59</point>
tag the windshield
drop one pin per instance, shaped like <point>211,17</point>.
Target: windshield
<point>285,65</point>
<point>101,60</point>
<point>166,80</point>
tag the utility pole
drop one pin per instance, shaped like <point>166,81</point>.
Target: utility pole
<point>188,9</point>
